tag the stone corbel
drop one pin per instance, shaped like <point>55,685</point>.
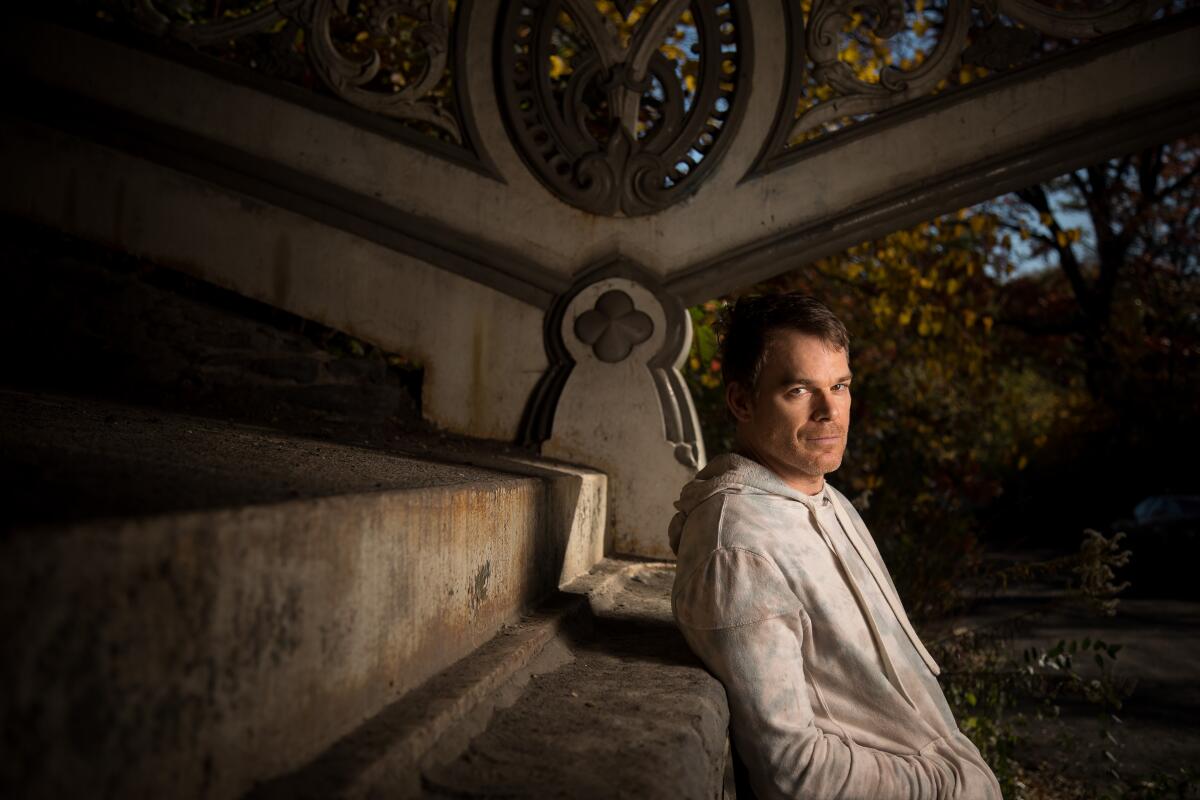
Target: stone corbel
<point>614,399</point>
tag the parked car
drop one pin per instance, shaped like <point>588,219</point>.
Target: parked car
<point>1164,537</point>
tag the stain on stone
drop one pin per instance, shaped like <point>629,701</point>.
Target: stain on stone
<point>478,591</point>
<point>288,627</point>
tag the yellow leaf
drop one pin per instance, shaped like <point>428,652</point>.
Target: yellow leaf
<point>558,67</point>
<point>672,52</point>
<point>1022,462</point>
<point>690,82</point>
<point>1061,236</point>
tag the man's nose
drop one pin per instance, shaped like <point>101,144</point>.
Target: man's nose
<point>823,409</point>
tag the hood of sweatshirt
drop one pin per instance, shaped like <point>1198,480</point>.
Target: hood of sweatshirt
<point>730,473</point>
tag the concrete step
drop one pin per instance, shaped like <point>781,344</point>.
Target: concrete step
<point>189,607</point>
<point>595,696</point>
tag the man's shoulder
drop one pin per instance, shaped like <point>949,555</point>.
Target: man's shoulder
<point>729,586</point>
<point>727,524</point>
<point>756,521</point>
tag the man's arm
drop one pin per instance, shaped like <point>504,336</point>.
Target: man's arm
<point>740,617</point>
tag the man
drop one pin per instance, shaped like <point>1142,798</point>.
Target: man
<point>781,591</point>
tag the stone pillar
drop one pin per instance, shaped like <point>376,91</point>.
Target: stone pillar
<point>614,399</point>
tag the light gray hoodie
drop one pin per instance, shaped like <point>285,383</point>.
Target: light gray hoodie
<point>832,696</point>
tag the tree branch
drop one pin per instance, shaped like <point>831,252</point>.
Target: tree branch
<point>1149,167</point>
<point>1186,178</point>
<point>1036,197</point>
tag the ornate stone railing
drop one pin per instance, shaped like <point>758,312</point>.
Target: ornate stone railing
<point>622,108</point>
<point>397,59</point>
<point>851,59</point>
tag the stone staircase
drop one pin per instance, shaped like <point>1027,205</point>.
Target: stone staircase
<point>197,608</point>
<point>235,561</point>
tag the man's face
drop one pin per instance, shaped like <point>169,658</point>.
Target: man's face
<point>797,420</point>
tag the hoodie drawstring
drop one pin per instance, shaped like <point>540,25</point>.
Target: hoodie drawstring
<point>884,585</point>
<point>888,666</point>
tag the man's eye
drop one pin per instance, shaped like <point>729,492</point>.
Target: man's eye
<point>841,386</point>
<point>797,390</point>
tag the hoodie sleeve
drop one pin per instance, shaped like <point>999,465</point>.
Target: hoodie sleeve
<point>741,618</point>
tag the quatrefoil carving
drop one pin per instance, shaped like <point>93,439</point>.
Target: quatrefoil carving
<point>613,327</point>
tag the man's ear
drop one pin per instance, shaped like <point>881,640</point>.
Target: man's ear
<point>739,401</point>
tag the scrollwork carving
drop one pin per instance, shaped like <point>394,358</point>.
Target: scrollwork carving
<point>825,90</point>
<point>365,81</point>
<point>622,112</point>
<point>856,96</point>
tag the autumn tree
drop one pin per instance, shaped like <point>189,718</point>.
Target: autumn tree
<point>1123,237</point>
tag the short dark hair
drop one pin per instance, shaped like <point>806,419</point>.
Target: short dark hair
<point>748,323</point>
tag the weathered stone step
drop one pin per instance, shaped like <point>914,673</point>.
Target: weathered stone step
<point>596,696</point>
<point>633,715</point>
<point>188,607</point>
